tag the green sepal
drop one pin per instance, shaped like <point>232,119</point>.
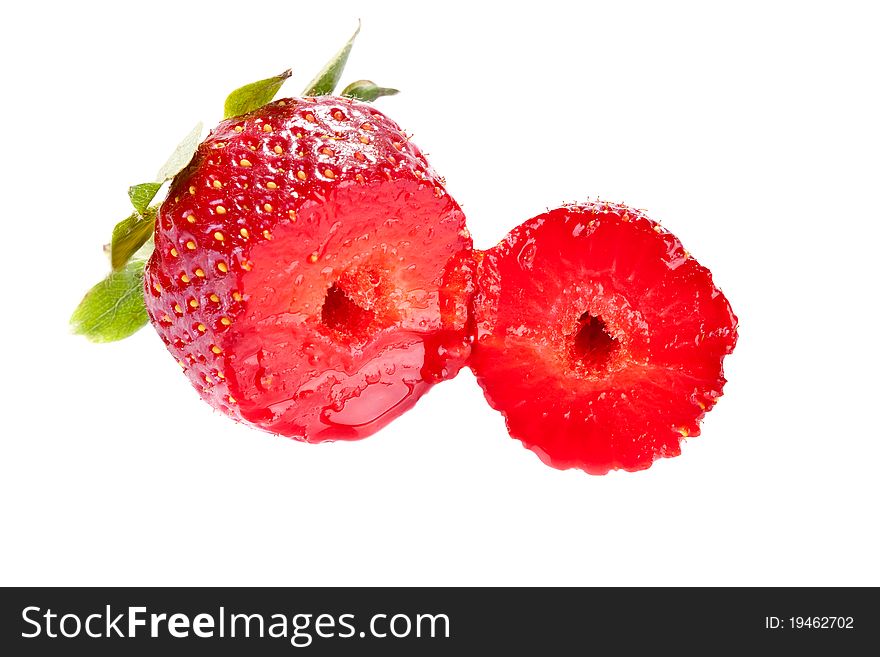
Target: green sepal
<point>114,308</point>
<point>182,155</point>
<point>129,235</point>
<point>367,91</point>
<point>142,195</point>
<point>325,82</point>
<point>253,96</point>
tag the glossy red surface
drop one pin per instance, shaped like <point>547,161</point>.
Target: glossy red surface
<point>303,274</point>
<point>599,337</point>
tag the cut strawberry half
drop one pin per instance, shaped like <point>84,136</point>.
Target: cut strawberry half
<point>304,270</point>
<point>599,337</point>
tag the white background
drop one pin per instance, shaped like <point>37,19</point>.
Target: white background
<point>750,130</point>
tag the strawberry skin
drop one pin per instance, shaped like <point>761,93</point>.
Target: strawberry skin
<point>305,271</point>
<point>599,337</point>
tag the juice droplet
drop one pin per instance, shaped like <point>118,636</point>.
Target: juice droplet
<point>527,255</point>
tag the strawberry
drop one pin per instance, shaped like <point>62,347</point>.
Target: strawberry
<point>301,274</point>
<point>313,278</point>
<point>599,337</point>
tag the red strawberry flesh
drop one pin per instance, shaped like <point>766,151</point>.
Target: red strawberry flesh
<point>599,337</point>
<point>307,293</point>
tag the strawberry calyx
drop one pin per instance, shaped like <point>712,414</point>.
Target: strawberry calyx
<point>114,308</point>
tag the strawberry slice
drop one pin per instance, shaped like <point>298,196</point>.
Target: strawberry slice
<point>304,270</point>
<point>599,337</point>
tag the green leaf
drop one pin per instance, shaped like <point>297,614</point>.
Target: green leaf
<point>129,235</point>
<point>142,194</point>
<point>252,96</point>
<point>367,90</point>
<point>114,308</point>
<point>325,82</point>
<point>181,155</point>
